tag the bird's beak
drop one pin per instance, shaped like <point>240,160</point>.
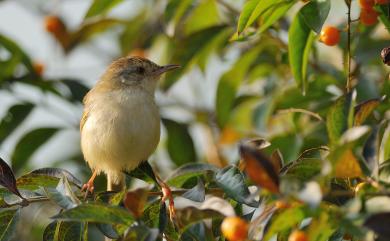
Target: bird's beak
<point>166,68</point>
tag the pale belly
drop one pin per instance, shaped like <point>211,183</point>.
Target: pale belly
<point>120,136</point>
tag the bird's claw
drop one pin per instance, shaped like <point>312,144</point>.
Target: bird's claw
<point>88,188</point>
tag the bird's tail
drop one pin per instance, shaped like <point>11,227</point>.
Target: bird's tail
<point>116,182</point>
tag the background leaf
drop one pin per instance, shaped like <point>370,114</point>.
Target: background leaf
<point>28,144</point>
<point>101,7</point>
<point>8,222</point>
<point>315,13</point>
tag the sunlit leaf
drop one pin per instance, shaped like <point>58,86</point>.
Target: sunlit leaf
<point>94,212</point>
<point>284,220</point>
<point>179,143</point>
<point>135,201</point>
<point>8,222</point>
<point>231,180</point>
<point>187,171</point>
<point>347,165</point>
<point>203,16</point>
<point>364,109</point>
<point>101,7</point>
<point>315,13</point>
<point>300,40</point>
<point>28,144</point>
<point>57,173</point>
<point>229,83</point>
<point>384,150</point>
<point>13,118</point>
<point>259,168</point>
<point>340,117</point>
<point>321,228</point>
<point>275,12</point>
<point>65,231</point>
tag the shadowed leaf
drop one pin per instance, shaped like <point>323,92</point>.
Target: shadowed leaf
<point>7,178</point>
<point>185,172</point>
<point>13,118</point>
<point>315,13</point>
<point>135,201</point>
<point>196,193</point>
<point>379,224</point>
<point>8,221</point>
<point>231,180</point>
<point>179,143</point>
<point>141,233</point>
<point>65,231</point>
<point>57,173</point>
<point>28,144</point>
<point>370,151</point>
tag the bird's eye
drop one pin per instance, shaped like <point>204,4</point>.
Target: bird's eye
<point>140,70</point>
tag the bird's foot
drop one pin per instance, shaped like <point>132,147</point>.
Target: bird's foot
<point>167,195</point>
<point>89,187</point>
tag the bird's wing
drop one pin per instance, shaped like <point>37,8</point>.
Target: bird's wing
<point>86,111</point>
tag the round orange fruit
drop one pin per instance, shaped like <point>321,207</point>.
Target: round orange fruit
<point>330,35</point>
<point>234,229</point>
<point>298,235</point>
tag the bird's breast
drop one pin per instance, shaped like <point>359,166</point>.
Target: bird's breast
<point>123,128</point>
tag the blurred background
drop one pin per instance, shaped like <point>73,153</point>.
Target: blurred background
<point>52,52</point>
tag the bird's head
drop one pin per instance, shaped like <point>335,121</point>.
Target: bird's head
<point>135,72</point>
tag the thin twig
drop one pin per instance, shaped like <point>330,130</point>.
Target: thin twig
<point>292,110</point>
<point>349,76</point>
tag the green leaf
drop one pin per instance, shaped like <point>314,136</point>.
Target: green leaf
<point>8,222</point>
<point>231,180</point>
<point>190,170</point>
<point>13,118</point>
<point>304,169</point>
<point>141,233</point>
<point>322,227</point>
<point>63,194</point>
<point>101,7</point>
<point>205,15</point>
<point>315,13</point>
<point>65,231</point>
<point>28,144</point>
<point>196,193</point>
<point>94,212</point>
<point>251,11</point>
<point>384,150</point>
<point>18,56</point>
<point>229,83</point>
<point>274,14</point>
<point>179,143</point>
<point>364,109</point>
<point>57,173</point>
<point>76,88</point>
<point>300,40</point>
<point>383,11</point>
<point>340,117</point>
<point>284,220</point>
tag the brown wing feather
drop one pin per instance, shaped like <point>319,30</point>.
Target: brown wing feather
<point>85,112</point>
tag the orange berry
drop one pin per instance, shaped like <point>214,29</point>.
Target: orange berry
<point>54,24</point>
<point>298,235</point>
<point>39,68</point>
<point>382,2</point>
<point>282,204</point>
<point>368,17</point>
<point>234,229</point>
<point>330,35</point>
<point>366,4</point>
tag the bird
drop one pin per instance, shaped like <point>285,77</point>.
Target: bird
<point>120,125</point>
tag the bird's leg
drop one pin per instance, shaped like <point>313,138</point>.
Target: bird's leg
<point>167,195</point>
<point>89,187</point>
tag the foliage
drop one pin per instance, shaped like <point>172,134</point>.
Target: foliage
<point>311,133</point>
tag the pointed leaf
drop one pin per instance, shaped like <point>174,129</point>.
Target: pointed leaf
<point>101,7</point>
<point>135,201</point>
<point>58,173</point>
<point>300,40</point>
<point>14,117</point>
<point>231,180</point>
<point>364,109</point>
<point>274,14</point>
<point>8,222</point>
<point>315,13</point>
<point>196,193</point>
<point>94,212</point>
<point>340,117</point>
<point>259,168</point>
<point>205,15</point>
<point>28,144</point>
<point>7,178</point>
<point>185,172</point>
<point>179,143</point>
<point>64,231</point>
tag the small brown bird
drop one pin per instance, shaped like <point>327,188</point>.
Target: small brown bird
<point>120,126</point>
